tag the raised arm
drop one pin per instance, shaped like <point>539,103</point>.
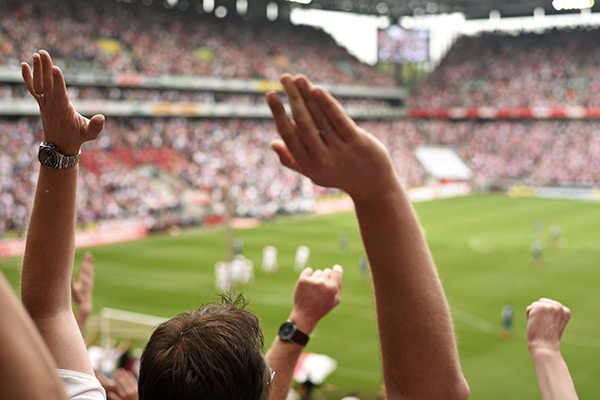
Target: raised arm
<point>26,366</point>
<point>50,245</point>
<point>546,321</point>
<point>82,290</point>
<point>419,354</point>
<point>316,294</point>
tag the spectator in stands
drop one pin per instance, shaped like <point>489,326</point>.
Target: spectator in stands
<point>546,321</point>
<point>191,344</point>
<point>419,354</point>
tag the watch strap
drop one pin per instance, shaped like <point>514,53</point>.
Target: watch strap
<point>63,160</point>
<point>299,337</point>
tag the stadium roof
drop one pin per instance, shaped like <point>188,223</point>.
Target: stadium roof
<point>472,9</point>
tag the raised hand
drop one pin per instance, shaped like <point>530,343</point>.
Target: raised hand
<point>63,126</point>
<point>323,143</point>
<point>126,386</point>
<point>546,321</point>
<point>50,244</point>
<point>82,290</point>
<point>418,349</point>
<point>316,294</point>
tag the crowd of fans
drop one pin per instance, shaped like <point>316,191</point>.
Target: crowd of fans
<point>556,68</point>
<point>120,170</point>
<point>126,38</point>
<point>553,153</point>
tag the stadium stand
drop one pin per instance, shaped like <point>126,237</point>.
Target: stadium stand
<point>156,169</point>
<point>555,68</point>
<point>131,39</point>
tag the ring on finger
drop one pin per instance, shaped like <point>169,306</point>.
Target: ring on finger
<point>41,94</point>
<point>325,131</point>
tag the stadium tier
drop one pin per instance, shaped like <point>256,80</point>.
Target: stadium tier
<point>173,151</point>
<point>556,68</point>
<point>130,38</point>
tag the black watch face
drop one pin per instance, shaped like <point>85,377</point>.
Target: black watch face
<point>48,157</point>
<point>287,330</point>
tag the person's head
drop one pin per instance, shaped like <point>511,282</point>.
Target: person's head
<point>213,353</point>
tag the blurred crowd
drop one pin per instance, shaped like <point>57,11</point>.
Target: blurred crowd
<point>226,163</point>
<point>556,68</point>
<point>130,38</point>
<point>122,170</point>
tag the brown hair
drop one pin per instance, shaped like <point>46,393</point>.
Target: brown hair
<point>214,353</point>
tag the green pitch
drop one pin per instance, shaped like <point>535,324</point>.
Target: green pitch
<point>481,245</point>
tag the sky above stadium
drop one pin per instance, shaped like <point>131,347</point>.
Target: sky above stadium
<point>358,33</point>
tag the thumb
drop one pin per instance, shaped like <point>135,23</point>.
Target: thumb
<point>285,157</point>
<point>95,125</point>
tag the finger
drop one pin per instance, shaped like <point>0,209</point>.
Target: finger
<point>341,122</point>
<point>528,310</point>
<point>304,86</point>
<point>285,128</point>
<point>130,378</point>
<point>308,131</point>
<point>338,271</point>
<point>317,274</point>
<point>27,78</point>
<point>325,129</point>
<point>104,381</point>
<point>38,83</point>
<point>327,273</point>
<point>60,88</point>
<point>285,157</point>
<point>331,137</point>
<point>95,126</point>
<point>306,272</point>
<point>47,69</point>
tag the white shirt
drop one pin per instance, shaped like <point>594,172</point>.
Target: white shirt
<point>80,386</point>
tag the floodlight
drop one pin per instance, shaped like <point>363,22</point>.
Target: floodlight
<point>272,11</point>
<point>209,5</point>
<point>221,12</point>
<point>572,4</point>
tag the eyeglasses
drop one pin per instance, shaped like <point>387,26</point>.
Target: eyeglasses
<point>272,377</point>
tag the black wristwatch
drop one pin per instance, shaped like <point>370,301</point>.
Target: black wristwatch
<point>51,157</point>
<point>289,332</point>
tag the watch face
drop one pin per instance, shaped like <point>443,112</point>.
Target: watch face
<point>287,330</point>
<point>48,157</point>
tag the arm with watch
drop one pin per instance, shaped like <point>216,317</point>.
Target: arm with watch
<point>50,243</point>
<point>316,294</point>
<point>418,348</point>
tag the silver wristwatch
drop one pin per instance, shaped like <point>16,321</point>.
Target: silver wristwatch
<point>51,157</point>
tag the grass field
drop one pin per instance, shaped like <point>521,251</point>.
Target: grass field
<point>481,245</point>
